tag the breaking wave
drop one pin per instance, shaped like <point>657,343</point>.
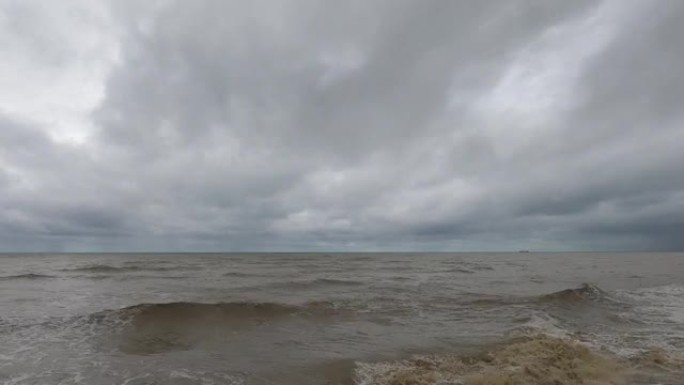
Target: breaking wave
<point>538,360</point>
<point>539,322</point>
<point>533,360</point>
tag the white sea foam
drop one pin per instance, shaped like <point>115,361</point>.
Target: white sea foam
<point>659,304</point>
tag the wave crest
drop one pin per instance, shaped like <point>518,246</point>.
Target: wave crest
<point>161,327</point>
<point>100,268</point>
<point>585,292</point>
<point>195,309</point>
<point>27,276</point>
<point>314,284</point>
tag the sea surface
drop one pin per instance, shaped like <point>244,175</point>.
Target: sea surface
<point>362,318</point>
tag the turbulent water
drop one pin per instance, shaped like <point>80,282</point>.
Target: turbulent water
<point>472,319</point>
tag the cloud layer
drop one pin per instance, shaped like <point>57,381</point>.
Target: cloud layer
<point>327,125</point>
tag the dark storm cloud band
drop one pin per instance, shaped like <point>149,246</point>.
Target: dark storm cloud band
<point>365,125</point>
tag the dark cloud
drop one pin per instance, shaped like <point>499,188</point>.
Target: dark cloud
<point>430,125</point>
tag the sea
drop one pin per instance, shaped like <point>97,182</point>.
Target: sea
<point>523,318</point>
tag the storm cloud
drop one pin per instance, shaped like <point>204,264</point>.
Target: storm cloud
<point>341,125</point>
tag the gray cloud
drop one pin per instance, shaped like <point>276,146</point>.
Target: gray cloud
<point>399,125</point>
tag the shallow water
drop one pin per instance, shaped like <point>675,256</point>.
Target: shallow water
<point>328,318</point>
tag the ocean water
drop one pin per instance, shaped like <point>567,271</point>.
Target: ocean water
<point>393,318</point>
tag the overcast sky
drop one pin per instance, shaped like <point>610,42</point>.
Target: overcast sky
<point>341,125</point>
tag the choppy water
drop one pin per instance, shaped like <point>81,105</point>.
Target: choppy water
<point>333,318</point>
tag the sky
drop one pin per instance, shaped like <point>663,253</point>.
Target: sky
<point>327,125</point>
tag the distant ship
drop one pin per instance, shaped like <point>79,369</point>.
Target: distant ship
<point>523,251</point>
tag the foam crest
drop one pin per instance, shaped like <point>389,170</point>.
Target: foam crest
<point>539,360</point>
<point>659,304</point>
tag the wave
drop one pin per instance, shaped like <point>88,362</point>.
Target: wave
<point>329,281</point>
<point>481,267</point>
<point>583,293</point>
<point>667,292</point>
<point>659,358</point>
<point>98,268</point>
<point>198,312</point>
<point>27,276</point>
<point>467,267</point>
<point>238,274</point>
<point>308,284</point>
<point>659,304</point>
<point>478,299</point>
<point>537,360</point>
<point>193,309</point>
<point>161,327</point>
<point>539,322</point>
